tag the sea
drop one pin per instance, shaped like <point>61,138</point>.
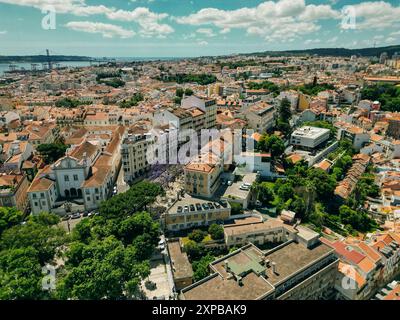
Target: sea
<point>27,66</point>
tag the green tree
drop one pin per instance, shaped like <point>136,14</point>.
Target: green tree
<point>201,267</point>
<point>197,235</point>
<point>193,250</point>
<point>188,92</point>
<point>216,231</point>
<point>102,270</point>
<point>20,274</point>
<point>263,192</point>
<point>43,238</point>
<point>9,217</point>
<point>51,152</point>
<point>179,92</point>
<point>285,114</point>
<point>134,200</point>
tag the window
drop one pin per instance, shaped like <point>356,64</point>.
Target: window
<point>88,198</point>
<point>75,177</point>
<point>34,196</point>
<point>36,204</point>
<point>87,191</point>
<point>66,178</point>
<point>96,190</point>
<point>42,195</point>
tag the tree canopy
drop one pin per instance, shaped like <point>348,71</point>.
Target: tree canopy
<point>387,94</point>
<point>51,152</point>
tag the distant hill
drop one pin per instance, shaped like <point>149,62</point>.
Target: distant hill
<point>41,58</point>
<point>343,52</point>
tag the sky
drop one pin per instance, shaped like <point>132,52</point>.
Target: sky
<point>188,28</point>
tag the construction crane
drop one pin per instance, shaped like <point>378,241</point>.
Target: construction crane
<point>48,59</point>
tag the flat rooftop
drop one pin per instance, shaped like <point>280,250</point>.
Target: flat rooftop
<point>255,227</point>
<point>293,257</point>
<point>187,200</point>
<point>257,279</point>
<point>222,286</point>
<point>310,132</point>
<point>235,191</point>
<point>181,266</point>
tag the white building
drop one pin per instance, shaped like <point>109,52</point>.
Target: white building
<point>309,137</point>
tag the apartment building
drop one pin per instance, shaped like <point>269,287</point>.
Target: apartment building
<point>356,135</point>
<point>309,137</point>
<point>190,212</point>
<point>40,133</point>
<point>291,271</point>
<point>13,188</point>
<point>202,175</point>
<point>207,105</point>
<point>135,148</point>
<point>177,118</point>
<point>260,117</point>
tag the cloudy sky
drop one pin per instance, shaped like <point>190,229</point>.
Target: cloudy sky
<point>182,28</point>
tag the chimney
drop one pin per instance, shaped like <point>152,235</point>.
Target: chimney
<point>274,270</point>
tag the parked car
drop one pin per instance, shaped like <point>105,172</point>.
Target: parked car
<point>85,214</point>
<point>76,215</point>
<point>179,210</point>
<point>192,208</point>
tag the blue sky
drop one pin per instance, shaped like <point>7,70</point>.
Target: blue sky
<point>181,28</point>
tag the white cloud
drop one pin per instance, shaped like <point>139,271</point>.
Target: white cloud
<point>390,40</point>
<point>3,32</point>
<point>208,32</point>
<point>148,21</point>
<point>312,41</point>
<point>274,21</point>
<point>376,15</point>
<point>202,43</point>
<point>107,30</point>
<point>225,31</point>
<point>333,40</point>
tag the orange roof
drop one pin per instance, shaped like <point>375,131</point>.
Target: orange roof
<point>371,253</point>
<point>366,265</point>
<point>349,271</point>
<point>295,157</point>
